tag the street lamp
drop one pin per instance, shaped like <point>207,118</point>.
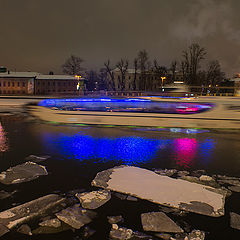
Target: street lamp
<point>163,78</point>
<point>78,76</point>
<point>78,84</point>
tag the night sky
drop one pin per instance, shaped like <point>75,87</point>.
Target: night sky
<point>38,35</point>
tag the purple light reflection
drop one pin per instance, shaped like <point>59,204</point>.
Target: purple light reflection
<point>185,150</point>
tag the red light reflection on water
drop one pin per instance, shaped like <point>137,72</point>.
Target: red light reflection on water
<point>185,150</point>
<point>3,140</point>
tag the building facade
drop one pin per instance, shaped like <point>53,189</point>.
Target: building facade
<point>57,85</point>
<point>17,83</point>
<point>33,83</point>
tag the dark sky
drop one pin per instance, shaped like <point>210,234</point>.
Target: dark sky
<point>38,35</point>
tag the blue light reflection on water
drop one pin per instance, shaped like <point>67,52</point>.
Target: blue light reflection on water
<point>129,150</point>
<point>207,148</point>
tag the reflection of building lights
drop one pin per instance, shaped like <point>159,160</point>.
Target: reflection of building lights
<point>174,130</point>
<point>3,140</point>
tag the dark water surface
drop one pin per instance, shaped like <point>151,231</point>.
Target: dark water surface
<point>79,152</point>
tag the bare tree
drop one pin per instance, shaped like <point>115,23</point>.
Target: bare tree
<point>185,70</point>
<point>214,73</point>
<point>92,80</point>
<point>143,61</point>
<point>103,81</point>
<point>192,58</point>
<point>109,70</point>
<point>73,65</point>
<point>173,69</point>
<point>122,65</point>
<point>135,64</point>
<point>202,76</point>
<point>160,71</point>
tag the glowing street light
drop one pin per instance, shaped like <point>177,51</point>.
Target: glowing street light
<point>78,84</point>
<point>77,77</point>
<point>163,78</point>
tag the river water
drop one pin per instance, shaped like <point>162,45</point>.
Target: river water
<point>79,152</point>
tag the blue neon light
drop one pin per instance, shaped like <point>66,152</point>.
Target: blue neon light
<point>126,105</point>
<point>56,102</point>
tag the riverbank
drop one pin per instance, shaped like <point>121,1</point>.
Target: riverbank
<point>99,214</point>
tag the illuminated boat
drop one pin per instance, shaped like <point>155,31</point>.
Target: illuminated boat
<point>194,113</point>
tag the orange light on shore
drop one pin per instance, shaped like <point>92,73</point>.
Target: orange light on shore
<point>163,78</point>
<point>78,76</point>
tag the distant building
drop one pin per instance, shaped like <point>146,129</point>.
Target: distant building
<point>33,83</point>
<point>129,79</point>
<point>56,85</point>
<point>179,76</point>
<point>17,83</point>
<point>236,80</point>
